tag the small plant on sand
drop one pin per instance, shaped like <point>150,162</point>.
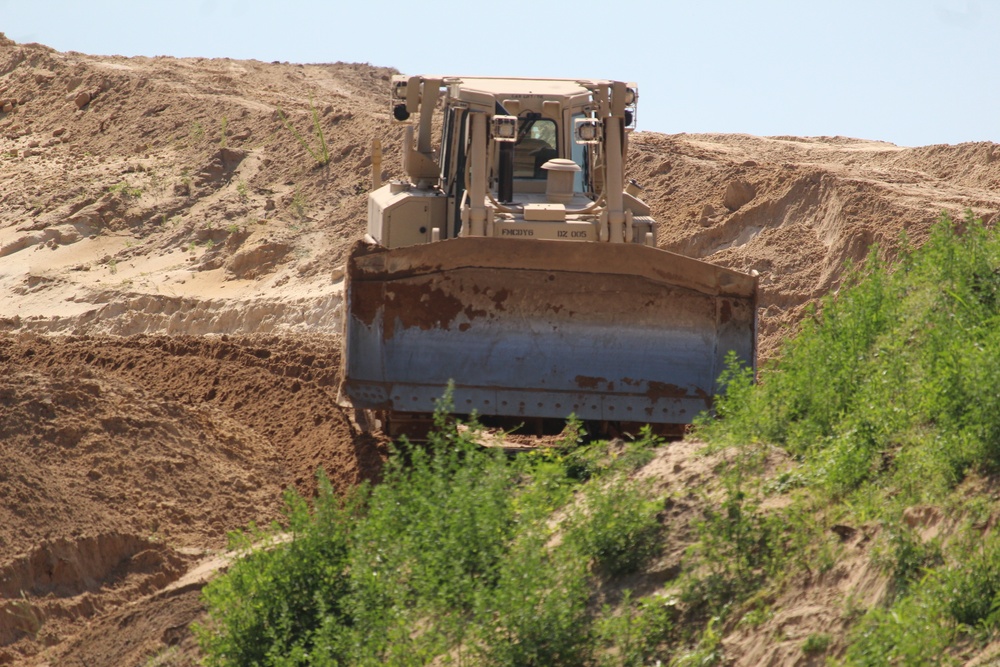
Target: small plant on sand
<point>197,131</point>
<point>321,153</point>
<point>168,657</point>
<point>299,205</point>
<point>125,189</point>
<point>26,616</point>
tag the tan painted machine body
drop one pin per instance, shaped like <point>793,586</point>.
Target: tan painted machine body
<point>515,263</point>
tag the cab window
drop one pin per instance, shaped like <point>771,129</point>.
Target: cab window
<point>535,146</point>
<point>579,155</point>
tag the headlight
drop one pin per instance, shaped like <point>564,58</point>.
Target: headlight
<point>587,131</point>
<point>504,128</point>
<point>400,113</point>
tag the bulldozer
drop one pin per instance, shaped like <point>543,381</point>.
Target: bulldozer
<point>516,265</point>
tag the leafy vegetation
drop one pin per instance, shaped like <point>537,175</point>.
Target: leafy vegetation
<point>887,398</point>
<point>453,555</point>
<point>893,378</point>
<point>125,189</point>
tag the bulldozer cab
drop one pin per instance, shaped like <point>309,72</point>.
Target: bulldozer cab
<point>514,264</point>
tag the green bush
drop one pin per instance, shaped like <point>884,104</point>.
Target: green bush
<point>616,525</point>
<point>886,398</point>
<point>909,557</point>
<point>892,378</point>
<point>816,643</point>
<point>273,599</point>
<point>948,602</point>
<point>537,613</point>
<point>454,556</point>
<point>911,632</point>
<point>633,634</point>
<point>436,532</point>
<point>972,585</point>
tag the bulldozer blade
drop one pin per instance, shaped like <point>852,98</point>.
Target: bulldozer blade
<point>618,332</point>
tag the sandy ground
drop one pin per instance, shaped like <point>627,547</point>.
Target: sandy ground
<point>170,304</point>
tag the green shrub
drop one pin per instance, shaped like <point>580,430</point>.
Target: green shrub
<point>972,585</point>
<point>537,613</point>
<point>273,599</point>
<point>453,556</point>
<point>739,543</point>
<point>632,636</point>
<point>949,601</point>
<point>909,557</point>
<point>892,377</point>
<point>911,632</point>
<point>886,398</point>
<point>816,643</point>
<point>436,532</point>
<point>616,525</point>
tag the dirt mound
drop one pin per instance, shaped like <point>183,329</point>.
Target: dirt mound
<point>797,209</point>
<point>150,632</point>
<point>138,185</point>
<point>115,447</point>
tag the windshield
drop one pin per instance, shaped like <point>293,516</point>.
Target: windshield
<point>535,146</point>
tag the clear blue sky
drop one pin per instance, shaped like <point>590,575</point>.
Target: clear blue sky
<point>912,72</point>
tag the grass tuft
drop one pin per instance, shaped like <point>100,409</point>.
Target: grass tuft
<point>321,152</point>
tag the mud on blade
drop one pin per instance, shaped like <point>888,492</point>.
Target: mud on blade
<point>617,332</point>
